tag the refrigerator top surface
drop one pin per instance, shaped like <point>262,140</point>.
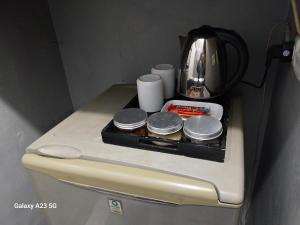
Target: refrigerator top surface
<point>80,134</point>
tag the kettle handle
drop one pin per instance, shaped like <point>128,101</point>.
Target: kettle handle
<point>237,42</point>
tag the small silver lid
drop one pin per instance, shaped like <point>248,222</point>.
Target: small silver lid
<point>164,123</point>
<point>130,118</point>
<point>202,128</point>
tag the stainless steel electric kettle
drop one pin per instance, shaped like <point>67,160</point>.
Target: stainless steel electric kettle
<point>203,72</point>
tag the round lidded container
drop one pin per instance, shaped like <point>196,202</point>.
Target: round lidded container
<point>165,125</point>
<point>130,119</point>
<point>202,128</point>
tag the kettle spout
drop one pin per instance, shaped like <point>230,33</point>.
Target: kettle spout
<point>182,40</point>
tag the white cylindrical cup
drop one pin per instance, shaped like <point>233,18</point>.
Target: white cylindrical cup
<point>150,92</point>
<point>167,73</point>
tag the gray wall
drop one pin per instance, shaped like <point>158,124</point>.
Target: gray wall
<point>33,97</point>
<point>108,41</point>
<point>277,191</point>
<point>276,195</point>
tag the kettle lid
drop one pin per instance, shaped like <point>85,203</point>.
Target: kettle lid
<point>203,31</point>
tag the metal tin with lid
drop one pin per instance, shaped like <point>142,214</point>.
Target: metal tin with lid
<point>164,123</point>
<point>130,119</point>
<point>202,128</point>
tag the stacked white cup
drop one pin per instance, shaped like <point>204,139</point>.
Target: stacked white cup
<point>150,92</point>
<point>167,73</point>
<point>155,87</point>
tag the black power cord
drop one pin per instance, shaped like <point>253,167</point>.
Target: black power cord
<point>261,83</point>
<point>283,52</point>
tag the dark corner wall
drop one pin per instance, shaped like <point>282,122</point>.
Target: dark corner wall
<point>276,198</point>
<point>277,190</point>
<point>34,97</point>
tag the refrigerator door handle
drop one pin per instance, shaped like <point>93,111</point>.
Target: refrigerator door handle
<point>117,194</point>
<point>126,180</point>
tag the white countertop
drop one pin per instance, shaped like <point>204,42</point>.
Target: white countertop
<point>82,130</point>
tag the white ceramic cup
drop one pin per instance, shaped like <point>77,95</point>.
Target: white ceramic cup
<point>150,92</point>
<point>167,73</point>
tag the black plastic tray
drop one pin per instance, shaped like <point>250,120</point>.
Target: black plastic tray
<point>210,150</point>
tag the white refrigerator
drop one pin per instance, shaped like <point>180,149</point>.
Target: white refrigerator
<point>82,181</point>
